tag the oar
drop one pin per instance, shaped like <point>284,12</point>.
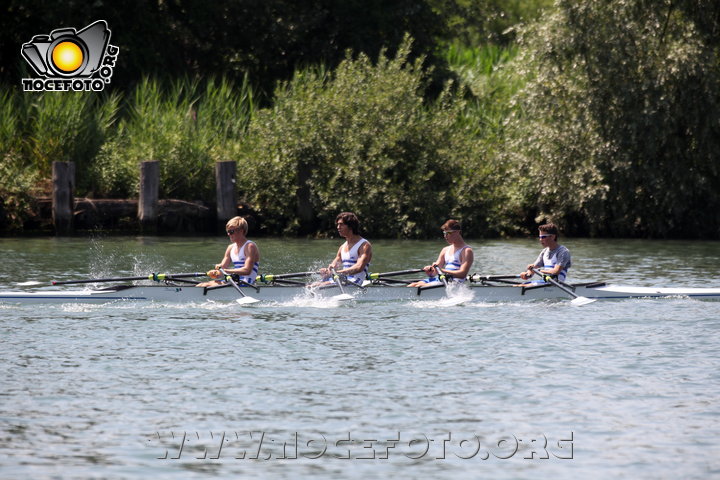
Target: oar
<point>376,276</point>
<point>245,300</point>
<point>389,280</point>
<point>577,300</point>
<point>157,277</point>
<point>494,278</point>
<point>288,282</point>
<point>254,287</point>
<point>478,278</point>
<point>343,296</point>
<point>270,278</point>
<point>441,275</point>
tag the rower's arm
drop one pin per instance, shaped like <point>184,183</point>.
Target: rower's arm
<point>528,273</point>
<point>440,262</point>
<point>553,271</point>
<point>224,263</point>
<point>336,263</point>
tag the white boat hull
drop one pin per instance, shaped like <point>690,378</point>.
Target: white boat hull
<point>377,293</point>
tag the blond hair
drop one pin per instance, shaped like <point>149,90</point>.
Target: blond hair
<point>237,222</point>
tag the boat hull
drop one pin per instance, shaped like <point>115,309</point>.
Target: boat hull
<point>376,293</point>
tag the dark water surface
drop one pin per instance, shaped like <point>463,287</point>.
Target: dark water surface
<point>615,389</point>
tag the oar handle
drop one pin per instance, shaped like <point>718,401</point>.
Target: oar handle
<point>441,275</point>
<point>336,277</point>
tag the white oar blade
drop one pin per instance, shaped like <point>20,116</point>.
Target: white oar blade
<point>31,283</point>
<point>247,300</point>
<point>579,301</point>
<point>343,297</point>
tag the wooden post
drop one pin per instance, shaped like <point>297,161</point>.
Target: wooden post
<point>149,196</point>
<point>226,194</point>
<point>63,179</point>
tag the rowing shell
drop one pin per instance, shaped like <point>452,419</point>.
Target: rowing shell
<point>373,292</point>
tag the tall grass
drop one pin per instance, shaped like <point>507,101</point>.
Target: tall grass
<point>17,181</point>
<point>186,126</point>
<point>37,129</point>
<point>9,120</point>
<point>51,126</point>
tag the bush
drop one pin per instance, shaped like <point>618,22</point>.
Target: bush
<point>360,139</point>
<point>17,192</point>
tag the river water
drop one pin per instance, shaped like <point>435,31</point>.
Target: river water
<point>614,389</point>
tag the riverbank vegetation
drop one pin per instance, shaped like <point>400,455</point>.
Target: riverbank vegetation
<point>601,116</point>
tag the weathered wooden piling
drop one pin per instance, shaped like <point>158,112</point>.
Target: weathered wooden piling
<point>226,194</point>
<point>149,196</point>
<point>63,180</point>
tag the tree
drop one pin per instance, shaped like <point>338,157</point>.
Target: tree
<point>264,39</point>
<point>619,133</point>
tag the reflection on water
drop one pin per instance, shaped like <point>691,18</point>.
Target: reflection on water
<point>441,389</point>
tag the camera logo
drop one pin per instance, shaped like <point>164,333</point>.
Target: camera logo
<point>71,60</point>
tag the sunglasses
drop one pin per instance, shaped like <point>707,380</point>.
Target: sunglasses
<point>445,234</point>
<point>545,236</point>
<point>232,231</point>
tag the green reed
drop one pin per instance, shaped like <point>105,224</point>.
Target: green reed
<point>186,125</point>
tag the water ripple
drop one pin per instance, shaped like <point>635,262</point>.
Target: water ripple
<point>107,391</point>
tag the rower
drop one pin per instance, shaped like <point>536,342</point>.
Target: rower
<point>554,259</point>
<point>454,260</point>
<point>241,259</point>
<point>353,257</point>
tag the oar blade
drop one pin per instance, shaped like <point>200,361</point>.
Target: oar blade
<point>247,300</point>
<point>343,297</point>
<point>580,301</point>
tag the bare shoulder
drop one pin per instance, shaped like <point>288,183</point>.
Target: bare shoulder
<point>252,250</point>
